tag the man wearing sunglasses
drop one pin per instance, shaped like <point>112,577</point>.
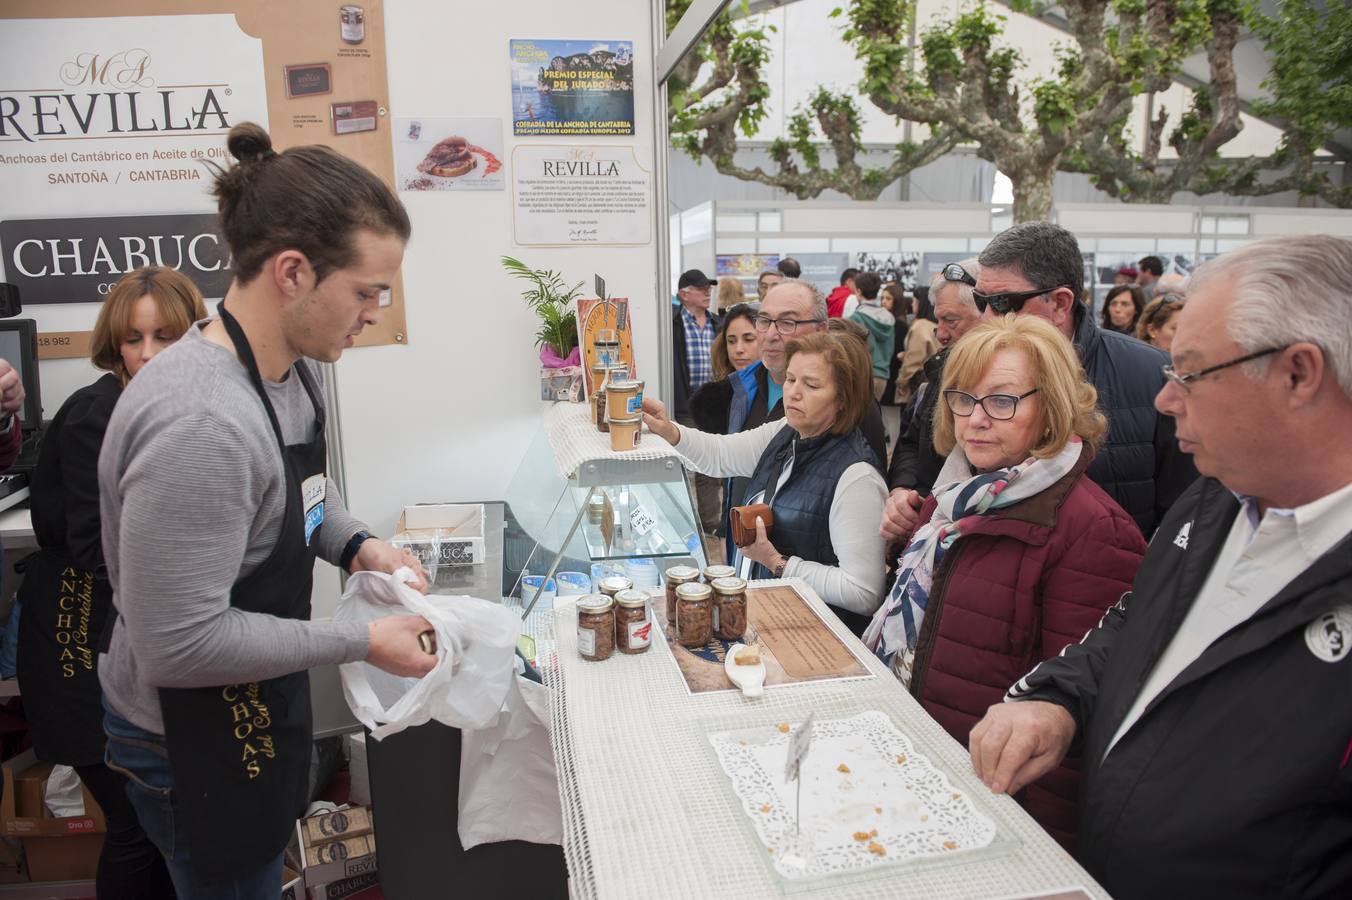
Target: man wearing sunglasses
<point>1036,269</point>
<point>1213,705</point>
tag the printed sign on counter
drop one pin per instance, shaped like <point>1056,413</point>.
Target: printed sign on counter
<point>578,195</point>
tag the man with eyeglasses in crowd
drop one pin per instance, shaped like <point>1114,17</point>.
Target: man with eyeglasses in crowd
<point>1036,269</point>
<point>1212,706</point>
<point>915,463</point>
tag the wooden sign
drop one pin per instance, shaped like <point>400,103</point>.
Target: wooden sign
<point>63,344</point>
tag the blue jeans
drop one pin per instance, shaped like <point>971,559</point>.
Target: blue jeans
<point>144,759</point>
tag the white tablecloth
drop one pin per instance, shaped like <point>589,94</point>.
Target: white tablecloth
<point>649,813</point>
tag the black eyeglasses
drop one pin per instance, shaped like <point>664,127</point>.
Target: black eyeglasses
<point>1184,381</point>
<point>955,272</point>
<point>997,406</point>
<point>783,326</point>
<point>1009,301</point>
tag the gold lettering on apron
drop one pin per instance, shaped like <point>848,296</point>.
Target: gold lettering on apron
<point>72,625</point>
<point>250,718</point>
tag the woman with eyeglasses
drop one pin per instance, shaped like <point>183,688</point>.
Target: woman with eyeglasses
<point>1159,321</point>
<point>1016,553</point>
<point>814,469</point>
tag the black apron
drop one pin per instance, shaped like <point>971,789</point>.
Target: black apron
<point>240,753</point>
<point>65,608</point>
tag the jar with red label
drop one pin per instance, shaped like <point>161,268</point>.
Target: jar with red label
<point>633,626</point>
<point>595,627</point>
<point>677,576</point>
<point>694,614</point>
<point>729,608</point>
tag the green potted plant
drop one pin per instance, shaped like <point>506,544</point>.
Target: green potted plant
<point>552,300</point>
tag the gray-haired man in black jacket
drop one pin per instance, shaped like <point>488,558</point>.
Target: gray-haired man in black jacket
<point>1212,707</point>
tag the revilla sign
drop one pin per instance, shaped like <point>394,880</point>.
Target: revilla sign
<point>79,260</point>
<point>107,94</point>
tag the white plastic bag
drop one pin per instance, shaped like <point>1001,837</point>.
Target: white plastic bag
<point>63,795</point>
<point>509,789</point>
<point>476,645</point>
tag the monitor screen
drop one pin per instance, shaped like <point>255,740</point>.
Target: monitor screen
<point>18,347</point>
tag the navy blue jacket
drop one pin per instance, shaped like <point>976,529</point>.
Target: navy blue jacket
<point>802,504</point>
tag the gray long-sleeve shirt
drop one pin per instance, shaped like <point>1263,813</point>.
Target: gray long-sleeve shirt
<point>192,493</point>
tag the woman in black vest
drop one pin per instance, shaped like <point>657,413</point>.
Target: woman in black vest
<point>65,593</point>
<point>816,472</point>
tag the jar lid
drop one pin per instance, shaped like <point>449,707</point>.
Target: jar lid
<point>693,590</point>
<point>679,574</point>
<point>594,603</point>
<point>614,584</point>
<point>632,598</point>
<point>625,385</point>
<point>713,572</point>
<point>728,585</point>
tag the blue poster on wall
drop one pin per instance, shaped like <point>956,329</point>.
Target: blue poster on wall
<point>572,87</point>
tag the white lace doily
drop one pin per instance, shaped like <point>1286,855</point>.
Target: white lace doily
<point>868,798</point>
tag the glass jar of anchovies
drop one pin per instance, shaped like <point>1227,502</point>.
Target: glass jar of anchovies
<point>729,608</point>
<point>633,627</point>
<point>595,627</point>
<point>694,614</point>
<point>677,576</point>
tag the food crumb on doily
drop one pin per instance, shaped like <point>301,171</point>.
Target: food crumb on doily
<point>876,849</point>
<point>862,836</point>
<point>878,810</point>
<point>783,727</point>
<point>950,845</point>
<point>957,796</point>
<point>924,818</point>
<point>843,768</point>
<point>765,808</point>
<point>901,759</point>
<point>772,850</point>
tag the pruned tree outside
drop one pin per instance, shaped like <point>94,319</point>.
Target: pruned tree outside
<point>961,82</point>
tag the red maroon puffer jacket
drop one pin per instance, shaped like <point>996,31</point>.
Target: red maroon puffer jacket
<point>1019,586</point>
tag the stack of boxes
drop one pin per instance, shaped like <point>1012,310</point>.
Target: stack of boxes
<point>338,852</point>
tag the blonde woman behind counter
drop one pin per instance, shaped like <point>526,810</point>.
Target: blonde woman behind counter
<point>824,486</point>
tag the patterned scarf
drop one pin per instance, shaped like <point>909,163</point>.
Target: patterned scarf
<point>895,630</point>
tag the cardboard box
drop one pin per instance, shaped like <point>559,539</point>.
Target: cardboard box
<point>459,529</point>
<point>349,822</point>
<point>292,886</point>
<point>346,887</point>
<point>56,849</point>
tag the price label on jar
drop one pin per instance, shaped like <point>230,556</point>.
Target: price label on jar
<point>586,642</point>
<point>642,522</point>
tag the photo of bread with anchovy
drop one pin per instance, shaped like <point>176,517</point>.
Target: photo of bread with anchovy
<point>450,158</point>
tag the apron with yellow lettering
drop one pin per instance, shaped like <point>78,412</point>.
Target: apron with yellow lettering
<point>240,753</point>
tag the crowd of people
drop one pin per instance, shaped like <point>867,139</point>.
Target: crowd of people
<point>1092,557</point>
<point>1111,555</point>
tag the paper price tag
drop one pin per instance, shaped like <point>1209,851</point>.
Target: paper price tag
<point>642,522</point>
<point>799,742</point>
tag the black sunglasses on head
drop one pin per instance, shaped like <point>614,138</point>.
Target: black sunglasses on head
<point>1007,302</point>
<point>955,272</point>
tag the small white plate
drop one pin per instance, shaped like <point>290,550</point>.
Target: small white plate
<point>751,679</point>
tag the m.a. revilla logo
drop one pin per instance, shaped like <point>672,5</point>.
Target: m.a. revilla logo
<point>112,95</point>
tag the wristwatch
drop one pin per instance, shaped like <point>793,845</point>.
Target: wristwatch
<point>350,551</point>
<point>779,567</point>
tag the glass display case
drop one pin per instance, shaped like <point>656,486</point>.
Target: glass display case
<point>630,514</point>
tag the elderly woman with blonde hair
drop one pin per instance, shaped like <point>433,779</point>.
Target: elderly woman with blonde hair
<point>1016,553</point>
